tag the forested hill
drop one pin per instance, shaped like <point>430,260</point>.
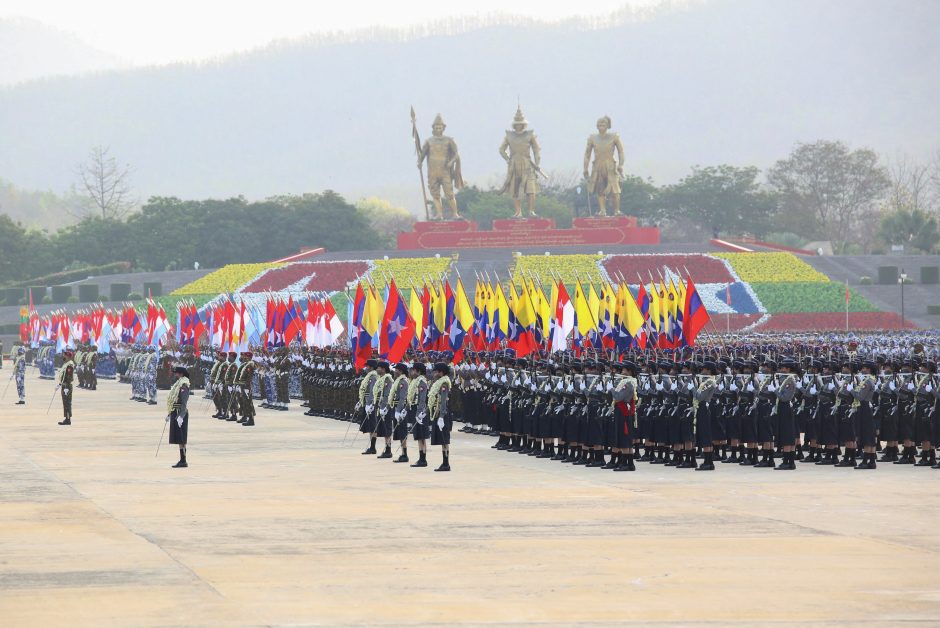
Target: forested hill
<point>728,81</point>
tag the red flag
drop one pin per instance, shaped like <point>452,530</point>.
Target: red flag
<point>694,314</point>
<point>398,325</point>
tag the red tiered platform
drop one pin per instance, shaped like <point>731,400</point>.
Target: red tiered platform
<point>513,233</point>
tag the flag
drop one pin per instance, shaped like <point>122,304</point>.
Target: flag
<point>563,318</point>
<point>695,316</point>
<point>360,341</point>
<point>398,326</point>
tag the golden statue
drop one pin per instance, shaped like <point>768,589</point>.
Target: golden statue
<point>523,158</point>
<point>443,168</point>
<point>604,179</point>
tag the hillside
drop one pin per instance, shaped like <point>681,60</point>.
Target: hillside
<point>32,50</point>
<point>736,81</point>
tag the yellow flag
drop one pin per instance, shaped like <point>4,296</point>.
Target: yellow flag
<point>628,311</point>
<point>462,309</point>
<point>654,306</point>
<point>417,312</point>
<point>502,308</point>
<point>582,310</point>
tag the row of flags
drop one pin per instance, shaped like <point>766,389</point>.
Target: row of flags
<point>97,325</point>
<point>526,317</point>
<point>236,325</point>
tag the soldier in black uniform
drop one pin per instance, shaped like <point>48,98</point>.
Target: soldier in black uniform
<point>178,413</point>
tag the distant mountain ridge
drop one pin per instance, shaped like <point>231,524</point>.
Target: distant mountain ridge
<point>33,50</point>
<point>731,81</point>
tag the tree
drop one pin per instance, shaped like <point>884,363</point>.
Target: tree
<point>723,199</point>
<point>13,247</point>
<point>914,228</point>
<point>106,184</point>
<point>826,186</point>
<point>386,219</point>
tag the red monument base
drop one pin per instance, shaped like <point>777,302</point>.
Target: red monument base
<point>516,233</point>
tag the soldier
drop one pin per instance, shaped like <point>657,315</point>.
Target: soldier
<point>229,394</point>
<point>625,400</point>
<point>439,413</point>
<point>381,390</point>
<point>215,384</point>
<point>702,409</point>
<point>19,373</point>
<point>365,406</point>
<point>178,413</point>
<point>243,378</point>
<point>65,381</point>
<point>863,391</point>
<point>398,408</point>
<point>443,168</point>
<point>151,376</point>
<point>604,179</point>
<point>925,411</point>
<point>786,425</point>
<point>92,362</point>
<point>888,412</point>
<point>766,401</point>
<point>417,400</point>
<point>522,153</point>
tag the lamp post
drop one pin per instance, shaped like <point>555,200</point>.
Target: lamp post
<point>901,279</point>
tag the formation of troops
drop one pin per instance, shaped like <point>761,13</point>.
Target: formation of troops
<point>847,403</point>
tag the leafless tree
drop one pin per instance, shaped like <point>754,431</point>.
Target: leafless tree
<point>911,185</point>
<point>106,184</point>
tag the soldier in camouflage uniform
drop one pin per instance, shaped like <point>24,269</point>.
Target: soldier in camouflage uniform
<point>19,373</point>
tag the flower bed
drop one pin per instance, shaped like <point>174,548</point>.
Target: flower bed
<point>703,268</point>
<point>714,298</point>
<point>719,323</point>
<point>409,271</point>
<point>825,321</point>
<point>787,297</point>
<point>771,267</point>
<point>226,279</point>
<point>319,276</point>
<point>569,267</point>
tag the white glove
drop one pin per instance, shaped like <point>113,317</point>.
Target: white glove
<point>179,421</point>
<point>610,386</point>
<point>502,378</point>
<point>799,385</point>
<point>532,387</point>
<point>831,386</point>
<point>168,418</point>
<point>421,416</point>
<point>369,409</point>
<point>750,387</point>
<point>928,388</point>
<point>690,386</point>
<point>674,387</point>
<point>358,406</point>
<point>721,387</point>
<point>583,387</point>
<point>812,389</point>
<point>733,387</point>
<point>559,386</point>
<point>891,386</point>
<point>659,386</point>
<point>570,388</point>
<point>849,387</point>
<point>66,391</point>
<point>440,423</point>
<point>910,386</point>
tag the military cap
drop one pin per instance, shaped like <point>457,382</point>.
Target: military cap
<point>442,368</point>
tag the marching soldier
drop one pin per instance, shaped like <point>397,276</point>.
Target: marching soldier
<point>398,407</point>
<point>365,407</point>
<point>417,400</point>
<point>243,379</point>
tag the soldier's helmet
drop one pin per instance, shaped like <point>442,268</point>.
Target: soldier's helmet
<point>438,120</point>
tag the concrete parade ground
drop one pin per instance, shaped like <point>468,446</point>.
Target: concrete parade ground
<point>282,524</point>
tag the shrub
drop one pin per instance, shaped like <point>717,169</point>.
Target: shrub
<point>795,297</point>
<point>78,274</point>
<point>135,296</point>
<point>72,299</point>
<point>865,281</point>
<point>47,300</point>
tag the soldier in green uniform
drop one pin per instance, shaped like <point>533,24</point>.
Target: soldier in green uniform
<point>66,379</point>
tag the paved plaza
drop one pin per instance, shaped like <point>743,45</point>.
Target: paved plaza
<point>283,524</point>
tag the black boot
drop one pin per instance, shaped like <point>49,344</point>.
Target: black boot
<point>548,451</point>
<point>786,463</point>
<point>927,459</point>
<point>890,454</point>
<point>371,449</point>
<point>562,453</point>
<point>849,459</point>
<point>733,458</point>
<point>404,456</point>
<point>584,457</point>
<point>422,459</point>
<point>798,454</point>
<point>445,466</point>
<point>66,421</point>
<point>182,462</point>
<point>614,461</point>
<point>709,464</point>
<point>249,422</point>
<point>657,457</point>
<point>868,462</point>
<point>387,453</point>
<point>907,456</point>
<point>689,462</point>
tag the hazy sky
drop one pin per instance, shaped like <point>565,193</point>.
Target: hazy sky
<point>177,30</point>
